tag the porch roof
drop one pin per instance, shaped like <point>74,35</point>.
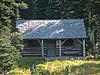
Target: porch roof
<point>52,29</point>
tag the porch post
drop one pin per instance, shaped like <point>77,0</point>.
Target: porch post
<point>84,47</point>
<point>59,47</point>
<point>42,48</point>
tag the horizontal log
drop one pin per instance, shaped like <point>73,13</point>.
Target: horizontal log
<point>31,54</point>
<point>72,52</point>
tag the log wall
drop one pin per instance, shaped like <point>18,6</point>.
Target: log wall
<point>76,49</point>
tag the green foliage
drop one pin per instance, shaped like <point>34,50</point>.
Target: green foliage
<point>39,9</point>
<point>9,49</point>
<point>77,67</point>
<point>58,66</point>
<point>40,71</point>
<point>10,41</point>
<point>52,9</point>
<point>29,12</point>
<point>26,62</point>
<point>97,57</point>
<point>19,71</point>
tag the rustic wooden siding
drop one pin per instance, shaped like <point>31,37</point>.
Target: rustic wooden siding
<point>69,50</point>
<point>76,49</point>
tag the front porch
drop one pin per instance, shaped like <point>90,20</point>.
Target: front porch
<point>55,48</point>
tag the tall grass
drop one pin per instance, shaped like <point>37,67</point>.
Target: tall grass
<point>78,67</point>
<point>19,71</point>
<point>57,67</point>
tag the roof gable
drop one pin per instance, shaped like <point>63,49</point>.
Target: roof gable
<point>51,29</point>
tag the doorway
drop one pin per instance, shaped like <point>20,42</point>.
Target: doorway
<point>51,48</point>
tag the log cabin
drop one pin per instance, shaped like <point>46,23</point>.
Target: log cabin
<point>53,38</point>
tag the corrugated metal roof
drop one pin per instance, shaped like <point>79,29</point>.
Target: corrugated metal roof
<point>52,29</point>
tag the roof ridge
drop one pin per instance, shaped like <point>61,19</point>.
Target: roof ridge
<point>48,19</point>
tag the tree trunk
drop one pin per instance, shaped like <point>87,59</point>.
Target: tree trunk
<point>91,35</point>
<point>99,41</point>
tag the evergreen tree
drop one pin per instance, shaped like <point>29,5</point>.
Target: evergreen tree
<point>9,39</point>
<point>29,12</point>
<point>36,9</point>
<point>53,9</point>
<point>39,9</point>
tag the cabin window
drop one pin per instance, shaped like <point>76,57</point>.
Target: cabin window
<point>32,43</point>
<point>69,42</point>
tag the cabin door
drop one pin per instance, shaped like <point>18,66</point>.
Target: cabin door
<point>51,48</point>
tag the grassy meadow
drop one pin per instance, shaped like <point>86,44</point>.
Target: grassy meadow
<point>57,67</point>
